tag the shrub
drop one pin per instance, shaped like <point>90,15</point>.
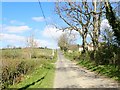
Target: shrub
<point>12,74</point>
<point>20,67</point>
<point>13,53</point>
<point>108,55</point>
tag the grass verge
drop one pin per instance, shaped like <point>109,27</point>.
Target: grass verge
<point>111,71</point>
<point>40,76</point>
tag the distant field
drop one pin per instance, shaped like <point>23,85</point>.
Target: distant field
<point>17,64</point>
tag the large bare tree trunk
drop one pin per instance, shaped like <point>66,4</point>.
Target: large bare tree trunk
<point>84,44</point>
<point>95,26</point>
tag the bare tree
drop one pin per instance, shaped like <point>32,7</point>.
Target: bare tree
<point>65,40</point>
<point>31,44</point>
<point>96,11</point>
<point>77,17</point>
<point>80,16</point>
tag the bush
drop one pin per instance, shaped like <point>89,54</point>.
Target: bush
<point>13,74</point>
<point>13,53</point>
<point>108,55</point>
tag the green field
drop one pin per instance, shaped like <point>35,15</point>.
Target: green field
<point>27,68</point>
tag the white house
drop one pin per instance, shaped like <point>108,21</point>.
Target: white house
<point>80,48</point>
<point>90,47</point>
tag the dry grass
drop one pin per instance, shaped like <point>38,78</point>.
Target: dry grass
<point>16,63</point>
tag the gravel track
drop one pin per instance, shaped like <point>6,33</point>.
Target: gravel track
<point>69,75</point>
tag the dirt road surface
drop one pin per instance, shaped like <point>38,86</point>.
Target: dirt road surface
<point>69,75</point>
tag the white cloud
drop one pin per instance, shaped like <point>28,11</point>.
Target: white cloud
<point>0,26</point>
<point>15,22</point>
<point>51,32</point>
<point>104,24</point>
<point>38,19</point>
<point>44,43</point>
<point>16,29</point>
<point>17,40</point>
<point>12,38</point>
